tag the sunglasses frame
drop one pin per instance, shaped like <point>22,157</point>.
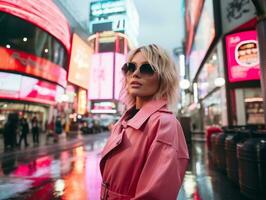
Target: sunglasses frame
<point>125,71</point>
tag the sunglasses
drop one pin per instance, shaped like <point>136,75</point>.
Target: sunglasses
<point>144,69</point>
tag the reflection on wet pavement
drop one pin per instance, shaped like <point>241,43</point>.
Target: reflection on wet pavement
<point>72,174</point>
<point>203,182</point>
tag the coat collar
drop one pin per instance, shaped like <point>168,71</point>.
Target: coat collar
<point>145,112</point>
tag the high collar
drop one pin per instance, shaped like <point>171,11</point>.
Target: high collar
<point>144,113</point>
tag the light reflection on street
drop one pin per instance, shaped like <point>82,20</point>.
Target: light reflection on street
<point>72,174</point>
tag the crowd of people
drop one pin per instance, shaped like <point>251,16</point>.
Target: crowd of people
<point>17,129</point>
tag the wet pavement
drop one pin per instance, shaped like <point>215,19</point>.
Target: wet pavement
<point>203,181</point>
<point>70,171</point>
<point>60,174</point>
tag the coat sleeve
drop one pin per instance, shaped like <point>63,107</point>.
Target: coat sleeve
<point>166,163</point>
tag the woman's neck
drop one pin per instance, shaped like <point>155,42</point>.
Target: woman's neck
<point>140,101</point>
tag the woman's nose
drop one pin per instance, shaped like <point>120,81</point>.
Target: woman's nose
<point>136,73</point>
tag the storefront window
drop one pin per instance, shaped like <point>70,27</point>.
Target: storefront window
<point>213,109</point>
<point>249,106</point>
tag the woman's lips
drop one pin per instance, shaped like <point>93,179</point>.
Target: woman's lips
<point>135,84</point>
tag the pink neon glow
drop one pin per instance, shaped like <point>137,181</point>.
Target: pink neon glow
<point>120,59</point>
<point>101,76</point>
<point>242,56</point>
<point>28,89</point>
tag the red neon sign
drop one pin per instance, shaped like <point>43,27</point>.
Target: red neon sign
<point>18,61</point>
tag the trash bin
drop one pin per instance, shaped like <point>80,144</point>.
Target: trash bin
<point>209,131</point>
<point>230,153</point>
<point>251,156</point>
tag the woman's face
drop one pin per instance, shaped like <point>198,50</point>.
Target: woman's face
<point>141,85</point>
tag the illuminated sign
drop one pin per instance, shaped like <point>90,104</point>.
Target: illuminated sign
<point>79,62</point>
<point>82,101</point>
<point>203,38</point>
<point>101,76</point>
<point>18,61</point>
<point>107,7</point>
<point>120,59</point>
<point>103,107</point>
<point>18,87</point>
<point>242,56</point>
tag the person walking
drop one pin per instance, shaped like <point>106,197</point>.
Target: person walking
<point>35,130</point>
<point>24,126</point>
<point>10,131</point>
<point>146,155</point>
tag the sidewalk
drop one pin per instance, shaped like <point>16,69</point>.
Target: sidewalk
<point>44,147</point>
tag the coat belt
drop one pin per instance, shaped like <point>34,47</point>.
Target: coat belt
<point>107,194</point>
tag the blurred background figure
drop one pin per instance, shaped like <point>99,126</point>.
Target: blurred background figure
<point>35,129</point>
<point>24,127</point>
<point>58,126</point>
<point>10,131</point>
<point>51,131</point>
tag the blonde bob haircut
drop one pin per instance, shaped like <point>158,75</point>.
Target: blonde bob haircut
<point>165,67</point>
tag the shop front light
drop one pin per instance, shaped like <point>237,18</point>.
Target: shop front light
<point>219,82</point>
<point>184,84</point>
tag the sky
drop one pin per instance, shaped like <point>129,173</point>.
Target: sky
<point>161,23</point>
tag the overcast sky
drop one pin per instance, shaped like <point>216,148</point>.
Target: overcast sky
<point>161,22</point>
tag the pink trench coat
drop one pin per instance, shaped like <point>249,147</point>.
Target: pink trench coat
<point>145,157</point>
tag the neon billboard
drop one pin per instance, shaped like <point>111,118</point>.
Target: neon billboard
<point>242,56</point>
<point>80,60</point>
<point>18,87</point>
<point>19,61</point>
<point>101,76</point>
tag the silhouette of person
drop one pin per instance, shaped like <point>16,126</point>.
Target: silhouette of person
<point>35,130</point>
<point>24,131</point>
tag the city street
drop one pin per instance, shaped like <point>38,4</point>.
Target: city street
<point>69,170</point>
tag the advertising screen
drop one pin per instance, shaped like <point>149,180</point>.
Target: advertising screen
<point>242,56</point>
<point>80,60</point>
<point>120,59</point>
<point>25,88</point>
<point>203,38</point>
<point>101,76</point>
<point>18,61</point>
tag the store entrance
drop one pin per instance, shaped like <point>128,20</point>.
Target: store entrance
<point>26,110</point>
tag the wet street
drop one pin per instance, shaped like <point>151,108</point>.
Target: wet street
<point>69,174</point>
<point>73,174</point>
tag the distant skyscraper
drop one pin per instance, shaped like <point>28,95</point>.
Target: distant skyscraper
<point>114,15</point>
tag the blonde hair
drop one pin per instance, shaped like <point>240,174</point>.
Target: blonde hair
<point>166,70</point>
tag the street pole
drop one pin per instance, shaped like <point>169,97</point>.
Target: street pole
<point>260,6</point>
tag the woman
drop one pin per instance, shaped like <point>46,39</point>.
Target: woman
<point>146,155</point>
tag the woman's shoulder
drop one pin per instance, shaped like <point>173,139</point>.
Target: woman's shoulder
<point>164,116</point>
<point>166,126</point>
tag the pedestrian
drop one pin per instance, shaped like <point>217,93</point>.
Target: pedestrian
<point>146,154</point>
<point>58,126</point>
<point>51,131</point>
<point>24,126</point>
<point>10,131</point>
<point>35,130</point>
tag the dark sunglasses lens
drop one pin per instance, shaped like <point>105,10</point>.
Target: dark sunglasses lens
<point>146,69</point>
<point>128,67</point>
